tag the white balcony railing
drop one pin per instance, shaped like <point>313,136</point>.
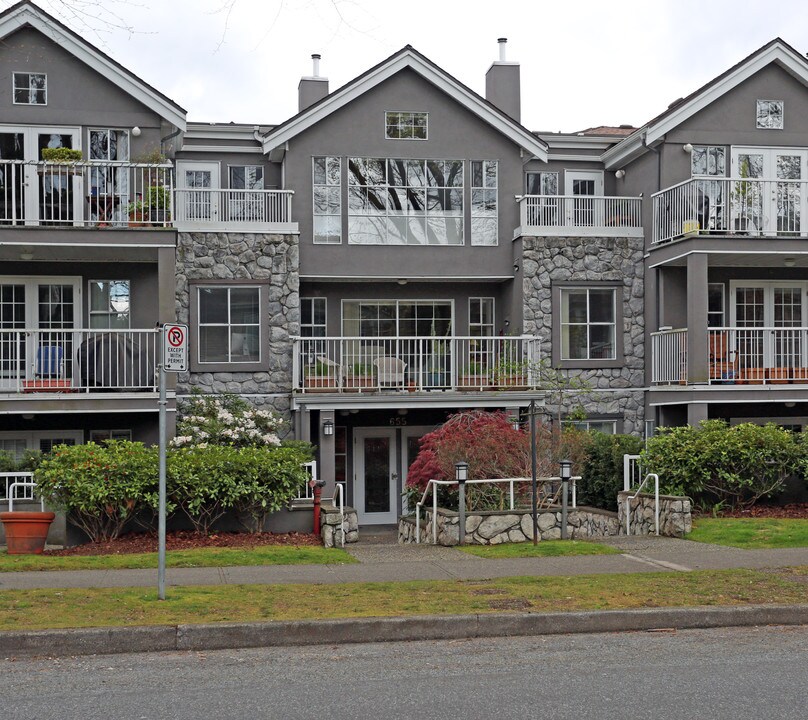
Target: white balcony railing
<point>731,206</point>
<point>736,356</point>
<point>207,207</point>
<point>71,361</point>
<point>581,214</point>
<point>371,364</point>
<point>85,194</point>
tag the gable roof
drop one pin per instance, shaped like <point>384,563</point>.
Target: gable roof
<point>410,58</point>
<point>776,51</point>
<point>26,14</point>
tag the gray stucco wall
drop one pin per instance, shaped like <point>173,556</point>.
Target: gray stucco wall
<point>238,256</point>
<point>613,392</point>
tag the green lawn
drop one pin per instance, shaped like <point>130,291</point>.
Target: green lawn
<point>203,557</point>
<point>751,533</point>
<point>546,548</point>
<point>103,607</point>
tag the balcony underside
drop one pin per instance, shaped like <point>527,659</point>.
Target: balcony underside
<point>388,400</point>
<point>729,394</point>
<point>38,403</point>
<point>733,251</point>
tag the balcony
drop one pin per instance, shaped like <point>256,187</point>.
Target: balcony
<point>415,364</point>
<point>40,363</point>
<point>106,195</point>
<point>209,209</point>
<point>736,356</point>
<point>731,206</point>
<point>580,215</point>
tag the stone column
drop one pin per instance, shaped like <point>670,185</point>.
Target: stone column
<point>697,360</point>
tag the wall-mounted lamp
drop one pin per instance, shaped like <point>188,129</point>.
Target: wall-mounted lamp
<point>514,421</point>
<point>620,174</point>
<point>26,256</point>
<point>402,411</point>
<point>136,131</point>
<point>789,262</point>
<point>27,416</point>
<point>789,404</point>
<point>402,281</point>
<point>461,471</point>
<point>328,428</point>
<point>516,266</point>
<point>687,147</point>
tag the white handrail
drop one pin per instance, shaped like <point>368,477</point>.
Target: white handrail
<point>12,493</point>
<point>510,482</point>
<point>629,498</point>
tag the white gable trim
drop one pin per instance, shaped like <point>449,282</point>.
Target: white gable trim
<point>408,59</point>
<point>29,15</point>
<point>778,52</point>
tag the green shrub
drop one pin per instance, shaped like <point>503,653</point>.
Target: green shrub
<point>99,487</point>
<point>602,471</point>
<point>7,462</point>
<point>719,466</point>
<point>61,154</point>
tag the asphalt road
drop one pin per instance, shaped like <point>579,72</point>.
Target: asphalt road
<point>715,674</point>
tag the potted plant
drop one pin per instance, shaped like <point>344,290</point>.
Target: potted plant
<point>319,376</point>
<point>360,375</point>
<point>26,531</point>
<point>65,158</point>
<point>511,373</point>
<point>137,213</point>
<point>474,376</point>
<point>158,201</point>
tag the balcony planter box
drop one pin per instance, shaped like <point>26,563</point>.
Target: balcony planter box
<point>799,375</point>
<point>359,382</point>
<point>325,383</point>
<point>751,376</point>
<point>46,386</point>
<point>517,381</point>
<point>474,382</point>
<point>780,376</point>
<point>26,532</point>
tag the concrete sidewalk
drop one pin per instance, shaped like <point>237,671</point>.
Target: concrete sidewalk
<point>384,561</point>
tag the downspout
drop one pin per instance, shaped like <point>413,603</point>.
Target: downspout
<point>654,150</point>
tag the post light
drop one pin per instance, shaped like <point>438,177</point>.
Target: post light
<point>566,473</point>
<point>328,427</point>
<point>461,475</point>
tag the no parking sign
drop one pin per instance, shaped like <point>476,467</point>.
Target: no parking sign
<point>175,347</point>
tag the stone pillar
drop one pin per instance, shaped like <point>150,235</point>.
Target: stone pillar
<point>327,466</point>
<point>697,346</point>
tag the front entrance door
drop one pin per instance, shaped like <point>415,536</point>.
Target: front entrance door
<point>375,476</point>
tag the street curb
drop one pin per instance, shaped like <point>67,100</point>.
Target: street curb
<point>218,636</point>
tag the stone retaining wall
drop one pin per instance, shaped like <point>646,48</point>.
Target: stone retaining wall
<point>674,514</point>
<point>330,525</point>
<point>493,528</point>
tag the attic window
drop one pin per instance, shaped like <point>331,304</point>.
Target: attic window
<point>405,125</point>
<point>770,114</point>
<point>30,88</point>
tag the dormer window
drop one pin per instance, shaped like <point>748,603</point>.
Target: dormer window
<point>30,88</point>
<point>405,125</point>
<point>770,114</point>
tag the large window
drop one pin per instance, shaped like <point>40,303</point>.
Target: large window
<point>484,202</point>
<point>403,318</point>
<point>588,324</point>
<point>229,327</point>
<point>30,88</point>
<point>405,202</point>
<point>327,196</point>
<point>708,160</point>
<point>109,145</point>
<point>541,183</point>
<point>312,317</point>
<point>405,125</point>
<point>109,304</point>
<point>246,177</point>
<point>769,114</point>
<point>481,317</point>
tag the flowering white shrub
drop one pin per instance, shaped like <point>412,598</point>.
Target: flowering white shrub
<point>225,420</point>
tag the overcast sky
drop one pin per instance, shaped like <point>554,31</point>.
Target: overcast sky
<point>583,63</point>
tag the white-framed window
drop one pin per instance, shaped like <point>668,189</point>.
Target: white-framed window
<point>484,215</point>
<point>228,324</point>
<point>110,304</point>
<point>393,201</point>
<point>608,427</point>
<point>109,145</point>
<point>481,317</point>
<point>246,177</point>
<point>588,327</point>
<point>16,443</point>
<point>30,88</point>
<point>99,436</point>
<point>327,199</point>
<point>708,160</point>
<point>406,125</point>
<point>312,317</point>
<point>541,183</point>
<point>769,114</point>
<point>715,305</point>
<point>397,318</point>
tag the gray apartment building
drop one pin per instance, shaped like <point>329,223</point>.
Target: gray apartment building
<point>398,250</point>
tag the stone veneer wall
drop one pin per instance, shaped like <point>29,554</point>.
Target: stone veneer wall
<point>548,260</point>
<point>674,514</point>
<point>331,529</point>
<point>493,528</point>
<point>254,256</point>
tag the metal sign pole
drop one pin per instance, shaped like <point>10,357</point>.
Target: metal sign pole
<point>161,516</point>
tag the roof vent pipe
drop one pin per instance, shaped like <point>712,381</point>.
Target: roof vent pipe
<point>503,42</point>
<point>315,64</point>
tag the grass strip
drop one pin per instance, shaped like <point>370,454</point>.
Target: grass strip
<point>751,533</point>
<point>546,548</point>
<point>104,607</point>
<point>202,557</point>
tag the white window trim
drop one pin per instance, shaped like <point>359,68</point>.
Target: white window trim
<point>493,315</point>
<point>119,431</point>
<point>472,188</point>
<point>230,166</point>
<point>91,312</point>
<point>32,439</point>
<point>14,88</point>
<point>410,112</point>
<point>396,302</point>
<point>259,324</point>
<point>782,117</point>
<point>107,161</point>
<point>310,298</point>
<point>588,324</point>
<point>342,195</point>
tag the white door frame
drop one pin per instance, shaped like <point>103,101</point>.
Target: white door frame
<point>583,212</point>
<point>184,202</point>
<point>360,434</point>
<point>408,431</point>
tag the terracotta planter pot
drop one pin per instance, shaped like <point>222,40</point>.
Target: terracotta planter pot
<point>26,532</point>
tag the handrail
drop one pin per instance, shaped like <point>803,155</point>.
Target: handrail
<point>12,492</point>
<point>510,481</point>
<point>629,498</point>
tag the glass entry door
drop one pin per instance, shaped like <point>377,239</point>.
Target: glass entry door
<point>375,476</point>
<point>581,207</point>
<point>199,199</point>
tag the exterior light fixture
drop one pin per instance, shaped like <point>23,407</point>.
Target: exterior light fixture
<point>789,262</point>
<point>687,147</point>
<point>136,131</point>
<point>328,427</point>
<point>620,174</point>
<point>461,471</point>
<point>461,475</point>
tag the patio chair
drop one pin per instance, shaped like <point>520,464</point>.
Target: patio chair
<point>49,361</point>
<point>390,371</point>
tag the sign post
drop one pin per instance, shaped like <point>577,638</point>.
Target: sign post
<point>175,359</point>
